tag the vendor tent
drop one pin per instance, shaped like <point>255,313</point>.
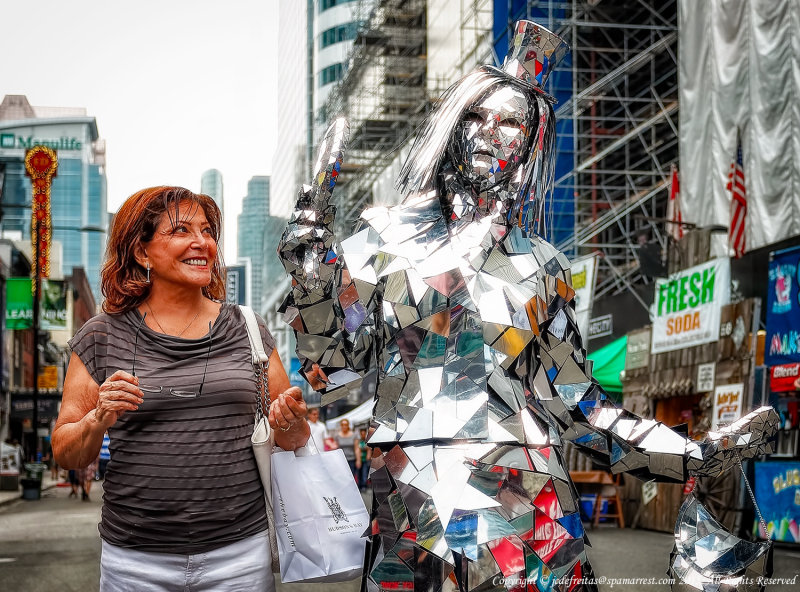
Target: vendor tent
<point>608,362</point>
<point>359,415</point>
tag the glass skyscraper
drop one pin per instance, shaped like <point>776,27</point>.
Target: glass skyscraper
<point>78,194</point>
<point>250,234</point>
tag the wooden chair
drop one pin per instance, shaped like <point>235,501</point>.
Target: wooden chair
<point>610,494</point>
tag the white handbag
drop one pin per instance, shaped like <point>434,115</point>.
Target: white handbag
<point>263,438</point>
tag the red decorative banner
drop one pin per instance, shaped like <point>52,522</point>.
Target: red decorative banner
<point>783,378</point>
<point>41,164</point>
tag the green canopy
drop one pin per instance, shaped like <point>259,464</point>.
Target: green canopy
<point>609,361</point>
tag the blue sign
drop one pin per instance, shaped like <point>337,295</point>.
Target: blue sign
<point>782,345</point>
<point>777,493</point>
<point>295,378</point>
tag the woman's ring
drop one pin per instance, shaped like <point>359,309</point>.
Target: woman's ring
<point>286,429</point>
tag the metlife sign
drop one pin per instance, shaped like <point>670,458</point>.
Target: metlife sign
<point>687,306</point>
<point>63,138</point>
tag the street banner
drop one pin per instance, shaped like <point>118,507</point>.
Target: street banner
<point>782,345</point>
<point>687,305</point>
<point>54,306</point>
<point>783,378</point>
<point>19,305</point>
<point>777,491</point>
<point>583,280</point>
<point>727,404</point>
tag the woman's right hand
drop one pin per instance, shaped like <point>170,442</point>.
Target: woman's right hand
<point>119,393</point>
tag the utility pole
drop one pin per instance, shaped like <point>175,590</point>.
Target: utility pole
<point>41,164</point>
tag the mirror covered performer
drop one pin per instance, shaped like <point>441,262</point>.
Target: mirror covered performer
<point>458,317</point>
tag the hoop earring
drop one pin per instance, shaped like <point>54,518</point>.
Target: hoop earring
<point>147,279</point>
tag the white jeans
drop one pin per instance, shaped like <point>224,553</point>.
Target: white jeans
<point>242,566</point>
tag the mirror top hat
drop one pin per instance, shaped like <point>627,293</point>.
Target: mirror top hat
<point>533,54</point>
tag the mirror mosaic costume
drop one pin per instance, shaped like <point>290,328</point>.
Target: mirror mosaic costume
<point>460,319</point>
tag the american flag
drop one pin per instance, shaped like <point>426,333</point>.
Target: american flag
<point>674,215</point>
<point>736,233</point>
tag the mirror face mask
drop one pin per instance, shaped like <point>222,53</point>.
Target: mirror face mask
<point>491,139</point>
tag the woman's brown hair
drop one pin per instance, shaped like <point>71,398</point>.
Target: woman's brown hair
<point>123,280</point>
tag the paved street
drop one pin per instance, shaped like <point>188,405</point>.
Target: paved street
<point>52,545</point>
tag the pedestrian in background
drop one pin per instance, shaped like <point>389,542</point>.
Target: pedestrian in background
<point>318,430</point>
<point>86,477</point>
<point>363,456</point>
<point>105,456</point>
<point>167,371</point>
<point>346,440</point>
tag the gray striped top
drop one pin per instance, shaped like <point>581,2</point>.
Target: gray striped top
<point>182,476</point>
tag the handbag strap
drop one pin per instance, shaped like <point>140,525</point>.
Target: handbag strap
<point>260,360</point>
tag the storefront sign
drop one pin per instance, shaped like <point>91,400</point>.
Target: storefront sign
<point>601,326</point>
<point>777,491</point>
<point>583,275</point>
<point>782,344</point>
<point>727,404</point>
<point>686,309</point>
<point>782,378</point>
<point>48,378</point>
<point>705,377</point>
<point>637,352</point>
<point>19,305</point>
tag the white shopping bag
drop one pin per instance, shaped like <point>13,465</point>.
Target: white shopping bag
<point>319,517</point>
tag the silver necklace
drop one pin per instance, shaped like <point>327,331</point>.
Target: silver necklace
<point>194,318</point>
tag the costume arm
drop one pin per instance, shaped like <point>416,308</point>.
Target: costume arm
<point>611,435</point>
<point>331,313</point>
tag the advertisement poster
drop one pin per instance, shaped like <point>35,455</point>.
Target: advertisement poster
<point>19,304</point>
<point>727,404</point>
<point>687,306</point>
<point>784,378</point>
<point>782,345</point>
<point>583,276</point>
<point>777,491</point>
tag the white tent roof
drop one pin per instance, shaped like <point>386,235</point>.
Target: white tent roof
<point>360,414</point>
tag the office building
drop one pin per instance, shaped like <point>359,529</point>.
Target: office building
<point>211,185</point>
<point>315,38</point>
<point>251,227</point>
<point>78,195</point>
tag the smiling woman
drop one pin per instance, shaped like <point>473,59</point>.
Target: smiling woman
<point>167,371</point>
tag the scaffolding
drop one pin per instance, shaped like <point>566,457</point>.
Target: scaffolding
<point>622,116</point>
<point>617,117</point>
<point>382,94</point>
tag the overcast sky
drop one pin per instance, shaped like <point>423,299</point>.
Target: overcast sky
<point>177,86</point>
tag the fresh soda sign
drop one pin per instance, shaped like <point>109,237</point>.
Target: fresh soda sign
<point>686,308</point>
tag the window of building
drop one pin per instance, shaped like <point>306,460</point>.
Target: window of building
<point>326,4</point>
<point>339,33</point>
<point>330,74</point>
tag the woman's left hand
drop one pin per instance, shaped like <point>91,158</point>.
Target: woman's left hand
<point>287,409</point>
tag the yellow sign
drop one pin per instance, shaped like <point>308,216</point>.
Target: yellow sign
<point>48,377</point>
